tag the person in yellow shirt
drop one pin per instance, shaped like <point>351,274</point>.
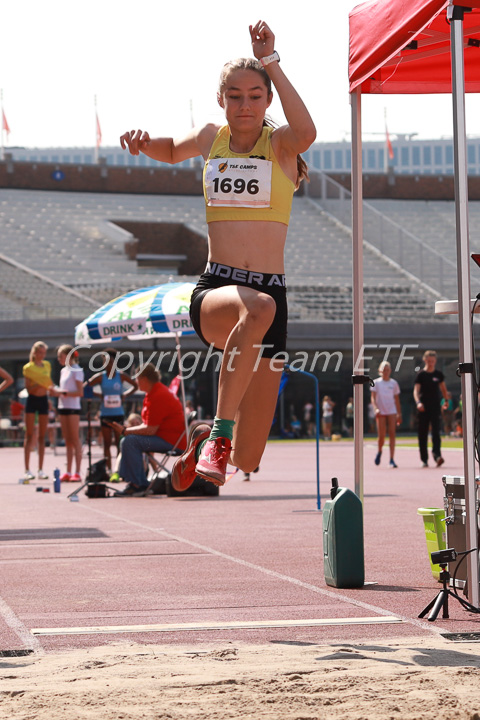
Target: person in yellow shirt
<point>38,381</point>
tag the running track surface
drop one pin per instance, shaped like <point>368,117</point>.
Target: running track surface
<point>253,554</point>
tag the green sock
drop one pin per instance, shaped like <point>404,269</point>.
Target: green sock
<point>221,428</point>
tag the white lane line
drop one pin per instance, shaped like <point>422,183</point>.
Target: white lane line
<point>272,573</point>
<point>234,625</point>
<point>22,632</point>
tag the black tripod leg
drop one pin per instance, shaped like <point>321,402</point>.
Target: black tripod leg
<point>75,492</point>
<point>430,605</point>
<point>440,601</point>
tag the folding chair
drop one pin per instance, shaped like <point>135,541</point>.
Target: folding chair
<point>157,481</point>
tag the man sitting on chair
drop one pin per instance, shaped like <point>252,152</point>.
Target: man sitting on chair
<point>163,423</point>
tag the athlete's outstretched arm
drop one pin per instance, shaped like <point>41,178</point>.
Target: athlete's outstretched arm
<point>170,150</point>
<point>300,132</point>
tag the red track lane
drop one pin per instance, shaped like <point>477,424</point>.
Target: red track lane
<point>252,554</point>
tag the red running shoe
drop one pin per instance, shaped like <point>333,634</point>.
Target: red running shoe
<point>183,471</point>
<point>212,463</point>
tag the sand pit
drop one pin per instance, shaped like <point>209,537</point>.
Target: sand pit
<point>413,678</point>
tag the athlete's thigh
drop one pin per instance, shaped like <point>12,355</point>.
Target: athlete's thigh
<point>392,424</point>
<point>253,420</point>
<point>42,425</point>
<point>65,427</point>
<point>222,308</point>
<point>74,426</point>
<point>29,423</point>
<point>381,425</point>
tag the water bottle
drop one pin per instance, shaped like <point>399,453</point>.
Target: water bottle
<point>56,482</point>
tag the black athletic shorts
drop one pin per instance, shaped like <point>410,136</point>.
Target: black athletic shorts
<point>216,276</point>
<point>36,404</point>
<point>68,411</point>
<point>106,419</point>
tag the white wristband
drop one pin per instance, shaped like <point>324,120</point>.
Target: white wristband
<point>274,57</point>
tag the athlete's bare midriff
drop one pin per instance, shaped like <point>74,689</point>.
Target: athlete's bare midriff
<point>251,245</point>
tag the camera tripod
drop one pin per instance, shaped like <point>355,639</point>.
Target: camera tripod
<point>441,599</point>
<point>89,480</point>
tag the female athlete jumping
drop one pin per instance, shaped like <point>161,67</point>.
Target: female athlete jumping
<point>239,304</point>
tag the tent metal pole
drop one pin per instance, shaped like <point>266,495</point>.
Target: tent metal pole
<point>182,383</point>
<point>463,275</point>
<point>357,286</point>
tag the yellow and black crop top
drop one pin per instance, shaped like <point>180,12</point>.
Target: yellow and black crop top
<point>39,374</point>
<point>246,186</point>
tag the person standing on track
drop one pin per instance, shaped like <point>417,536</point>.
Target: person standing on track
<point>37,373</point>
<point>70,393</point>
<point>239,304</point>
<point>429,386</point>
<point>388,413</point>
<point>111,381</point>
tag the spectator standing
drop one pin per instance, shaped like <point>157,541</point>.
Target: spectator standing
<point>308,418</point>
<point>386,401</point>
<point>428,389</point>
<point>37,373</point>
<point>111,410</point>
<point>327,417</point>
<point>69,393</point>
<point>349,416</point>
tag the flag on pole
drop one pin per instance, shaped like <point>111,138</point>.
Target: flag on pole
<point>5,125</point>
<point>389,144</point>
<point>387,137</point>
<point>99,131</point>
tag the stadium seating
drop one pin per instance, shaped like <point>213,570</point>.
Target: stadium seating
<point>70,238</point>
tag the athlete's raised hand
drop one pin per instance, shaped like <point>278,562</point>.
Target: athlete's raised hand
<point>263,39</point>
<point>135,141</point>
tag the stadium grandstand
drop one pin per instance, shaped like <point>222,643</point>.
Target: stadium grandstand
<point>66,251</point>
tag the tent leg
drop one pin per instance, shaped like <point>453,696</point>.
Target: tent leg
<point>182,383</point>
<point>357,285</point>
<point>463,274</point>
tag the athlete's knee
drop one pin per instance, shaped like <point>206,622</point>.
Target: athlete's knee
<point>260,310</point>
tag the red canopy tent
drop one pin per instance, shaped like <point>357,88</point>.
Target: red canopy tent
<point>400,46</point>
<point>417,47</point>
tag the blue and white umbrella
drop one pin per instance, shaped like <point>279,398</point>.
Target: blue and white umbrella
<point>140,315</point>
<point>157,311</point>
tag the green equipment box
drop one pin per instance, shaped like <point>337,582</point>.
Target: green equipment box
<point>343,556</point>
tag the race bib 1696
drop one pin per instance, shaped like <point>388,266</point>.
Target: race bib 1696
<point>238,182</point>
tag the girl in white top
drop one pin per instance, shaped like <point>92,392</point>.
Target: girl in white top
<point>388,414</point>
<point>327,417</point>
<point>69,393</point>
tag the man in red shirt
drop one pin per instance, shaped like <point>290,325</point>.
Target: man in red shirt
<point>163,426</point>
